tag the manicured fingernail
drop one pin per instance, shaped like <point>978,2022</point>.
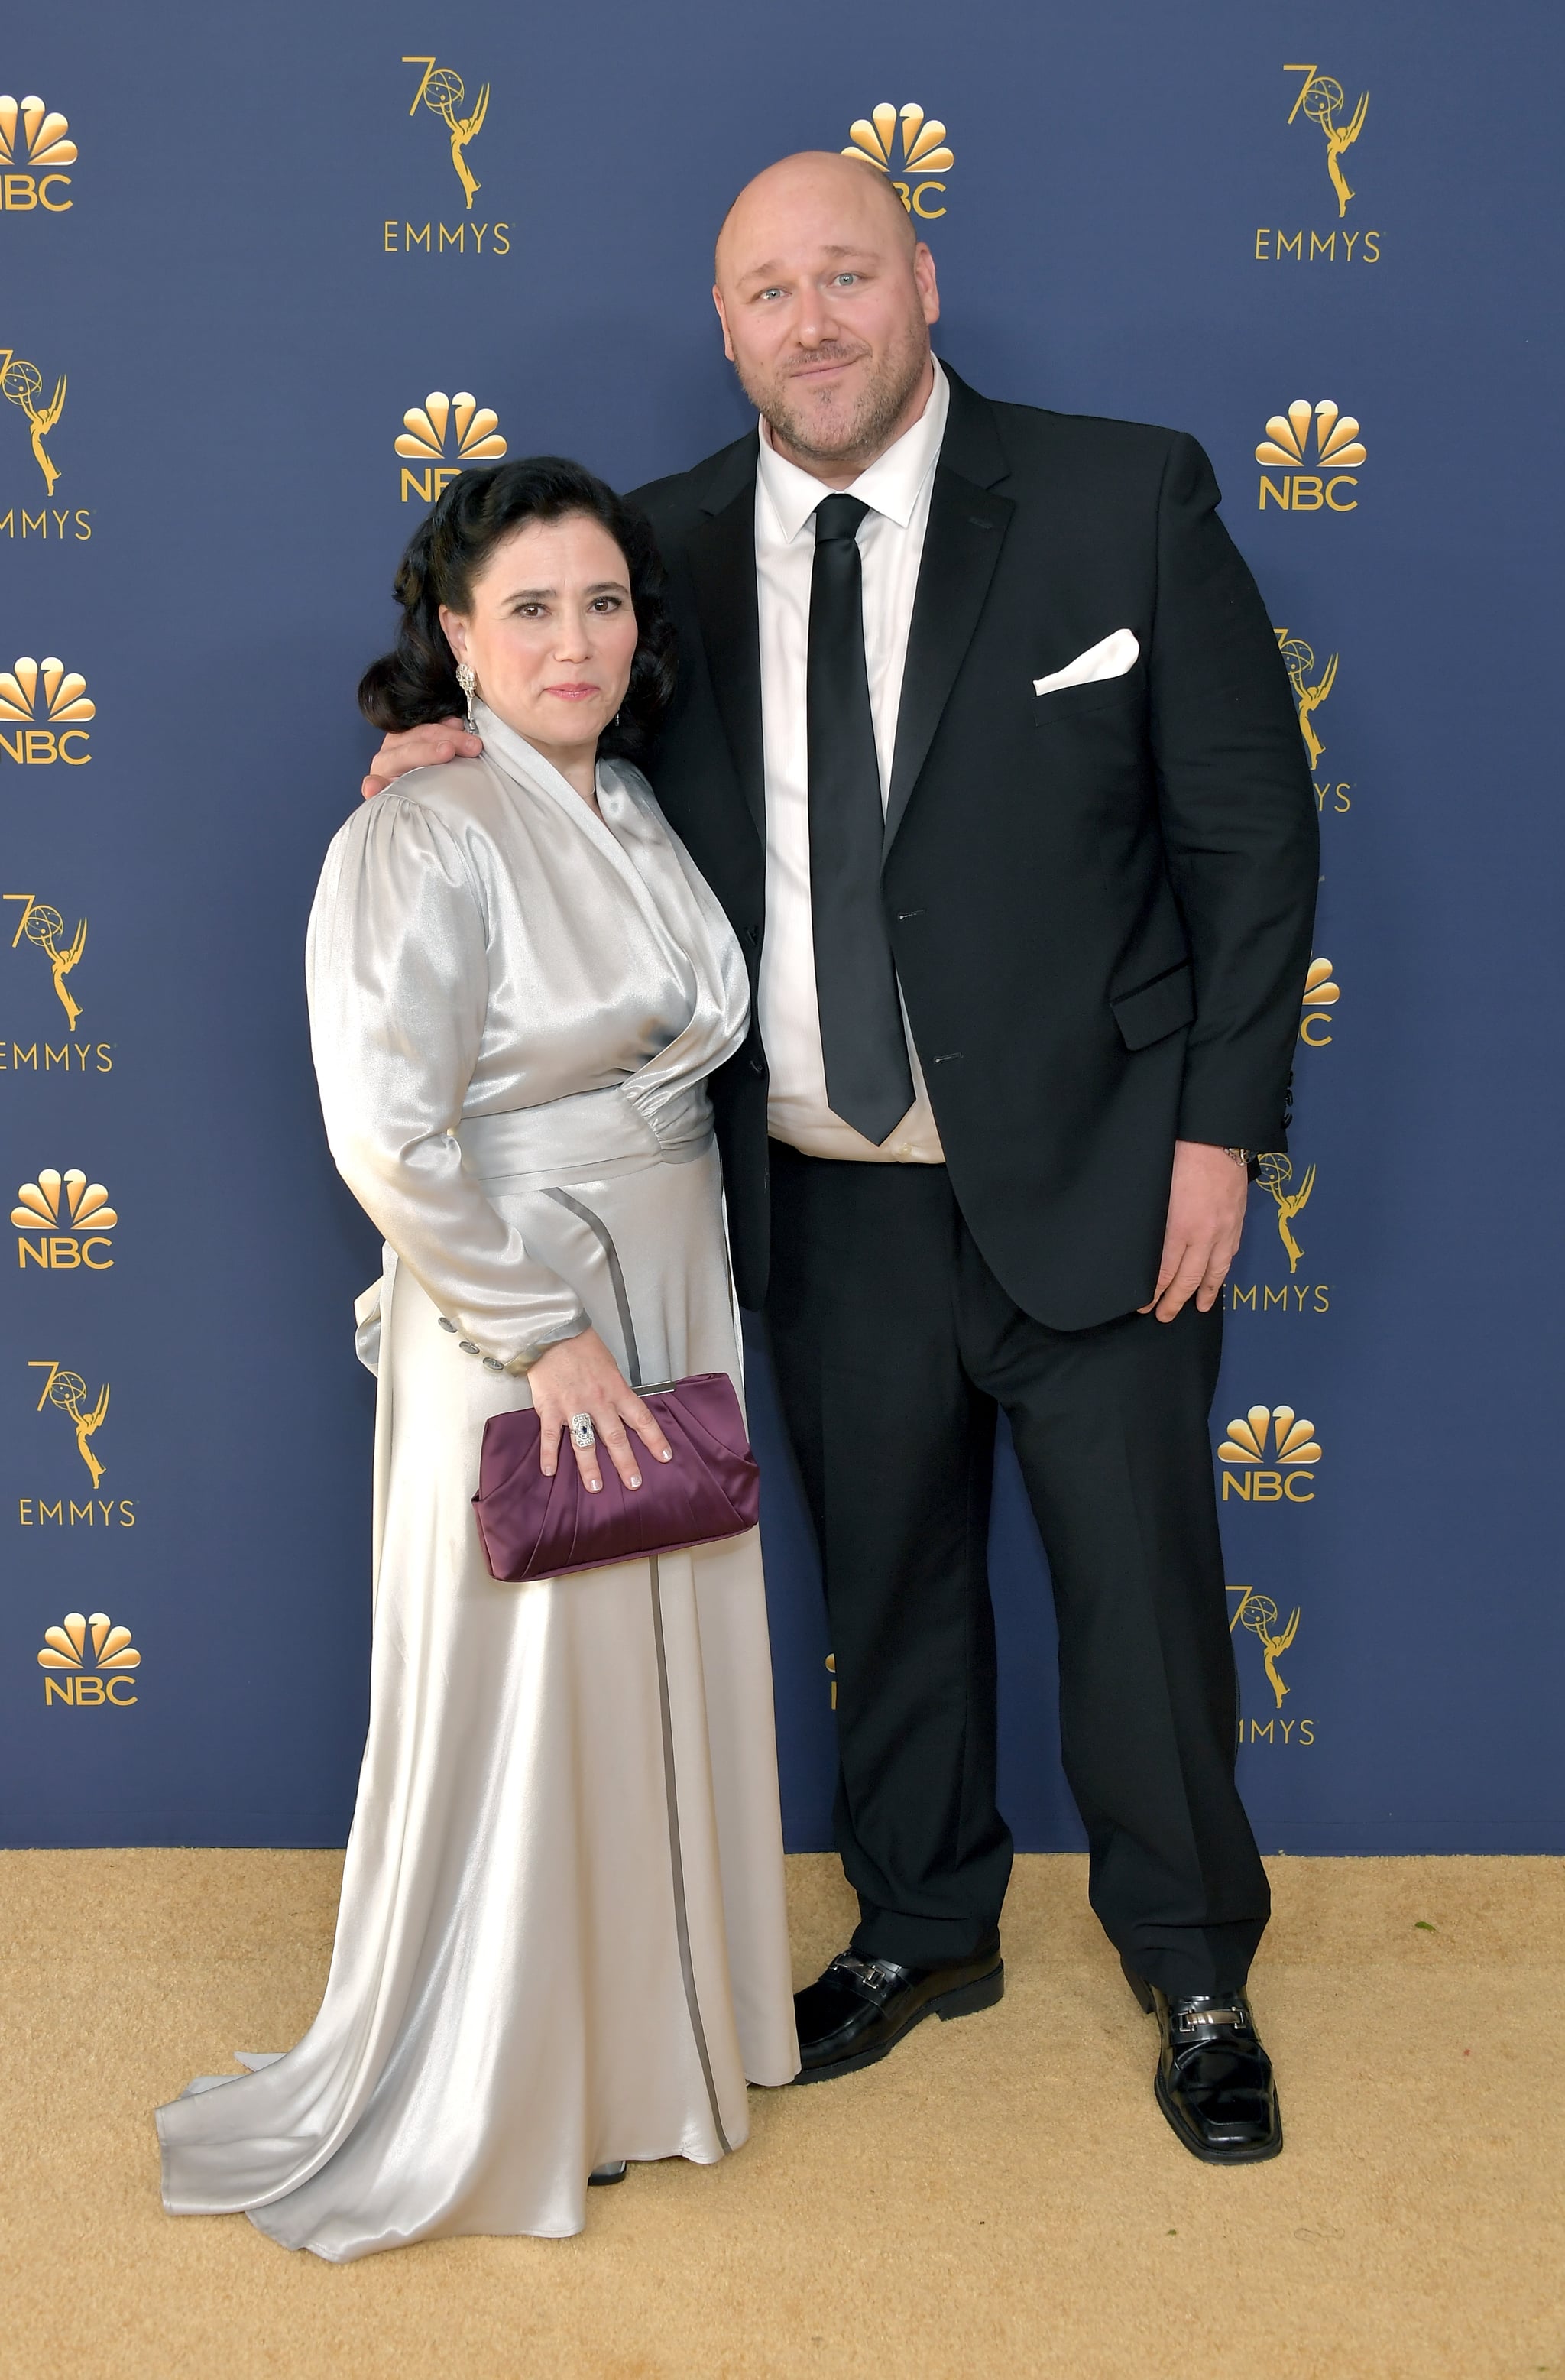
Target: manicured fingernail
<point>667,1454</point>
<point>594,1486</point>
<point>636,1479</point>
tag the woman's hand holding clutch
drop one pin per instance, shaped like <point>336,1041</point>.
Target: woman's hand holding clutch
<point>579,1378</point>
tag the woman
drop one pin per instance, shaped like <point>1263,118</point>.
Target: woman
<point>562,1941</point>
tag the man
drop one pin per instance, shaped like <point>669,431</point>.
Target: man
<point>983,739</point>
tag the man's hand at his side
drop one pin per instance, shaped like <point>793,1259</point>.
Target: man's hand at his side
<point>420,747</point>
<point>1206,1217</point>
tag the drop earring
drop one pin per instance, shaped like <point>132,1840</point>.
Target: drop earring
<point>468,679</point>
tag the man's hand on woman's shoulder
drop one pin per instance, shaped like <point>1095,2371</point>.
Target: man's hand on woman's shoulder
<point>419,747</point>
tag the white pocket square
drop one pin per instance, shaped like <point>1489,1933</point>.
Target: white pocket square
<point>1110,659</point>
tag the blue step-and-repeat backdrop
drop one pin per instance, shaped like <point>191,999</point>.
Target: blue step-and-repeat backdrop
<point>270,277</point>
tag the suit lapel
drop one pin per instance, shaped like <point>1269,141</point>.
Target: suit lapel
<point>722,552</point>
<point>968,526</point>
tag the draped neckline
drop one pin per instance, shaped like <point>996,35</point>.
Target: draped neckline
<point>518,759</point>
<point>616,834</point>
<point>668,902</point>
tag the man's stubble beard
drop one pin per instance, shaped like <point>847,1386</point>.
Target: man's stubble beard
<point>864,430</point>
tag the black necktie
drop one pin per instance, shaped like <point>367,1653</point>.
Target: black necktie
<point>868,1081</point>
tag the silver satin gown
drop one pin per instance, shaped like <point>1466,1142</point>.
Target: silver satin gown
<point>562,1939</point>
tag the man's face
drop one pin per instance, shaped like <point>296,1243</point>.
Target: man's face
<point>826,299</point>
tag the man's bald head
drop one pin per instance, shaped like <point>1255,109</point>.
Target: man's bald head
<point>826,295</point>
<point>817,176</point>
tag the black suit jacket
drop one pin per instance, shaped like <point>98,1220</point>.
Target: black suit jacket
<point>1099,900</point>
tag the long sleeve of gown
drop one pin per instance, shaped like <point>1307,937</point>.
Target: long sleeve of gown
<point>397,973</point>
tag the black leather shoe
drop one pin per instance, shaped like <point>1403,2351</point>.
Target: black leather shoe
<point>861,2007</point>
<point>603,2177</point>
<point>1213,2080</point>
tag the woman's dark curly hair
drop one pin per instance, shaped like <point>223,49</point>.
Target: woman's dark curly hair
<point>416,681</point>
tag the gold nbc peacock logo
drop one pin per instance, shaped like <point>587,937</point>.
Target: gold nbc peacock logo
<point>1267,1466</point>
<point>33,146</point>
<point>22,384</point>
<point>1338,451</point>
<point>46,929</point>
<point>1287,436</point>
<point>924,153</point>
<point>1321,992</point>
<point>43,712</point>
<point>70,1216</point>
<point>446,433</point>
<point>85,1658</point>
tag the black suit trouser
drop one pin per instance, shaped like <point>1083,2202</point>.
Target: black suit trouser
<point>894,1345</point>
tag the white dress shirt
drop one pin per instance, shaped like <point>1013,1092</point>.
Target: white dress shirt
<point>897,487</point>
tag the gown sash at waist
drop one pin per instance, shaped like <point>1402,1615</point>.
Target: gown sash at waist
<point>592,1133</point>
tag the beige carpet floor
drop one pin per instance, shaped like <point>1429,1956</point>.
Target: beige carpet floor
<point>999,2197</point>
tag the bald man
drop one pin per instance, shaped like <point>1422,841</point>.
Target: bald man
<point>983,739</point>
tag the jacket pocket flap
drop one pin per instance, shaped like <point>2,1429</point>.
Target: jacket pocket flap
<point>1157,1008</point>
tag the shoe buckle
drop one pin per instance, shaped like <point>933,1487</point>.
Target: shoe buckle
<point>1197,2019</point>
<point>877,1975</point>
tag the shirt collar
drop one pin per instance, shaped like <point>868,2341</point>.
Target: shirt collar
<point>891,484</point>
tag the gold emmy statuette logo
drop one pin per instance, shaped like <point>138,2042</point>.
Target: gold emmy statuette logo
<point>32,148</point>
<point>1322,101</point>
<point>1310,689</point>
<point>43,712</point>
<point>442,426</point>
<point>923,153</point>
<point>442,94</point>
<point>70,1241</point>
<point>67,1392</point>
<point>1275,1172</point>
<point>1246,1446</point>
<point>22,383</point>
<point>1287,446</point>
<point>1299,659</point>
<point>1320,993</point>
<point>832,1668</point>
<point>87,1662</point>
<point>46,929</point>
<point>1259,1616</point>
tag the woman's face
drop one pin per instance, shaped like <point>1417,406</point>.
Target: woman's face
<point>551,632</point>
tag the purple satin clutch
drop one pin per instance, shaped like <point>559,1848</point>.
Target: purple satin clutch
<point>534,1527</point>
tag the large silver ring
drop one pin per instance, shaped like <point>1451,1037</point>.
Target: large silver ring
<point>582,1432</point>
